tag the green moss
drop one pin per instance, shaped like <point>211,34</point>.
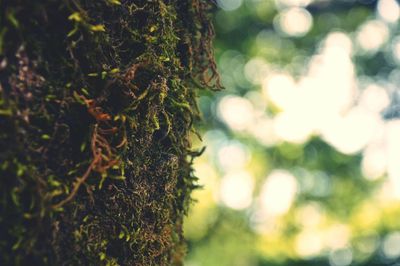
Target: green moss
<point>97,100</point>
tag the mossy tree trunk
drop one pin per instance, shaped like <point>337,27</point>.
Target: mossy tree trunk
<point>97,100</point>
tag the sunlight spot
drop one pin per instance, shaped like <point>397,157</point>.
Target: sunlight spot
<point>293,2</point>
<point>330,83</point>
<point>388,10</point>
<point>236,112</point>
<point>396,48</point>
<point>340,40</point>
<point>374,162</point>
<point>278,192</point>
<point>263,131</point>
<point>233,156</point>
<point>351,133</point>
<point>208,178</point>
<point>236,190</point>
<point>308,244</point>
<point>374,98</point>
<point>337,236</point>
<point>341,257</point>
<point>393,153</point>
<point>280,89</point>
<point>391,245</point>
<point>293,127</point>
<point>372,35</point>
<point>309,215</point>
<point>294,21</point>
<point>256,70</point>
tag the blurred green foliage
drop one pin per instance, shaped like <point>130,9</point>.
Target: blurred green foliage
<point>312,200</point>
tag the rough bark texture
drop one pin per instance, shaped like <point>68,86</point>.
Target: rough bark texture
<point>97,100</point>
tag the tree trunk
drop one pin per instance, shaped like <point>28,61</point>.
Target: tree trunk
<point>97,100</point>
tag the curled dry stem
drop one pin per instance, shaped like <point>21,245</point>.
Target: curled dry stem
<point>77,184</point>
<point>103,154</point>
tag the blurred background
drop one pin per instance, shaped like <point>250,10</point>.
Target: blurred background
<point>302,165</point>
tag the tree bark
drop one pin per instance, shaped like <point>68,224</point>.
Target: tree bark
<point>97,100</point>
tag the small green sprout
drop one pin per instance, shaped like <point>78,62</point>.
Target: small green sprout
<point>98,27</point>
<point>114,2</point>
<point>45,137</point>
<point>75,17</point>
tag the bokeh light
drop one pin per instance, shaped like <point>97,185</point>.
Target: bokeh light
<point>388,10</point>
<point>302,165</point>
<point>294,21</point>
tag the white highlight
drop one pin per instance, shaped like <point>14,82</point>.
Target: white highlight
<point>319,99</point>
<point>263,131</point>
<point>256,70</point>
<point>388,10</point>
<point>374,98</point>
<point>233,156</point>
<point>351,133</point>
<point>372,35</point>
<point>309,244</point>
<point>278,192</point>
<point>294,21</point>
<point>236,190</point>
<point>391,245</point>
<point>339,40</point>
<point>280,88</point>
<point>393,153</point>
<point>310,215</point>
<point>293,2</point>
<point>341,257</point>
<point>396,49</point>
<point>374,162</point>
<point>236,112</point>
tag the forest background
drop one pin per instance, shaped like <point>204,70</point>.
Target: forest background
<point>303,146</point>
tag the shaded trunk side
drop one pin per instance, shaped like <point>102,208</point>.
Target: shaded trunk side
<point>97,100</point>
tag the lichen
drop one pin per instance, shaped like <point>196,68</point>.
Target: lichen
<point>97,99</point>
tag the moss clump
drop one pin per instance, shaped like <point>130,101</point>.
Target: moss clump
<point>97,99</point>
